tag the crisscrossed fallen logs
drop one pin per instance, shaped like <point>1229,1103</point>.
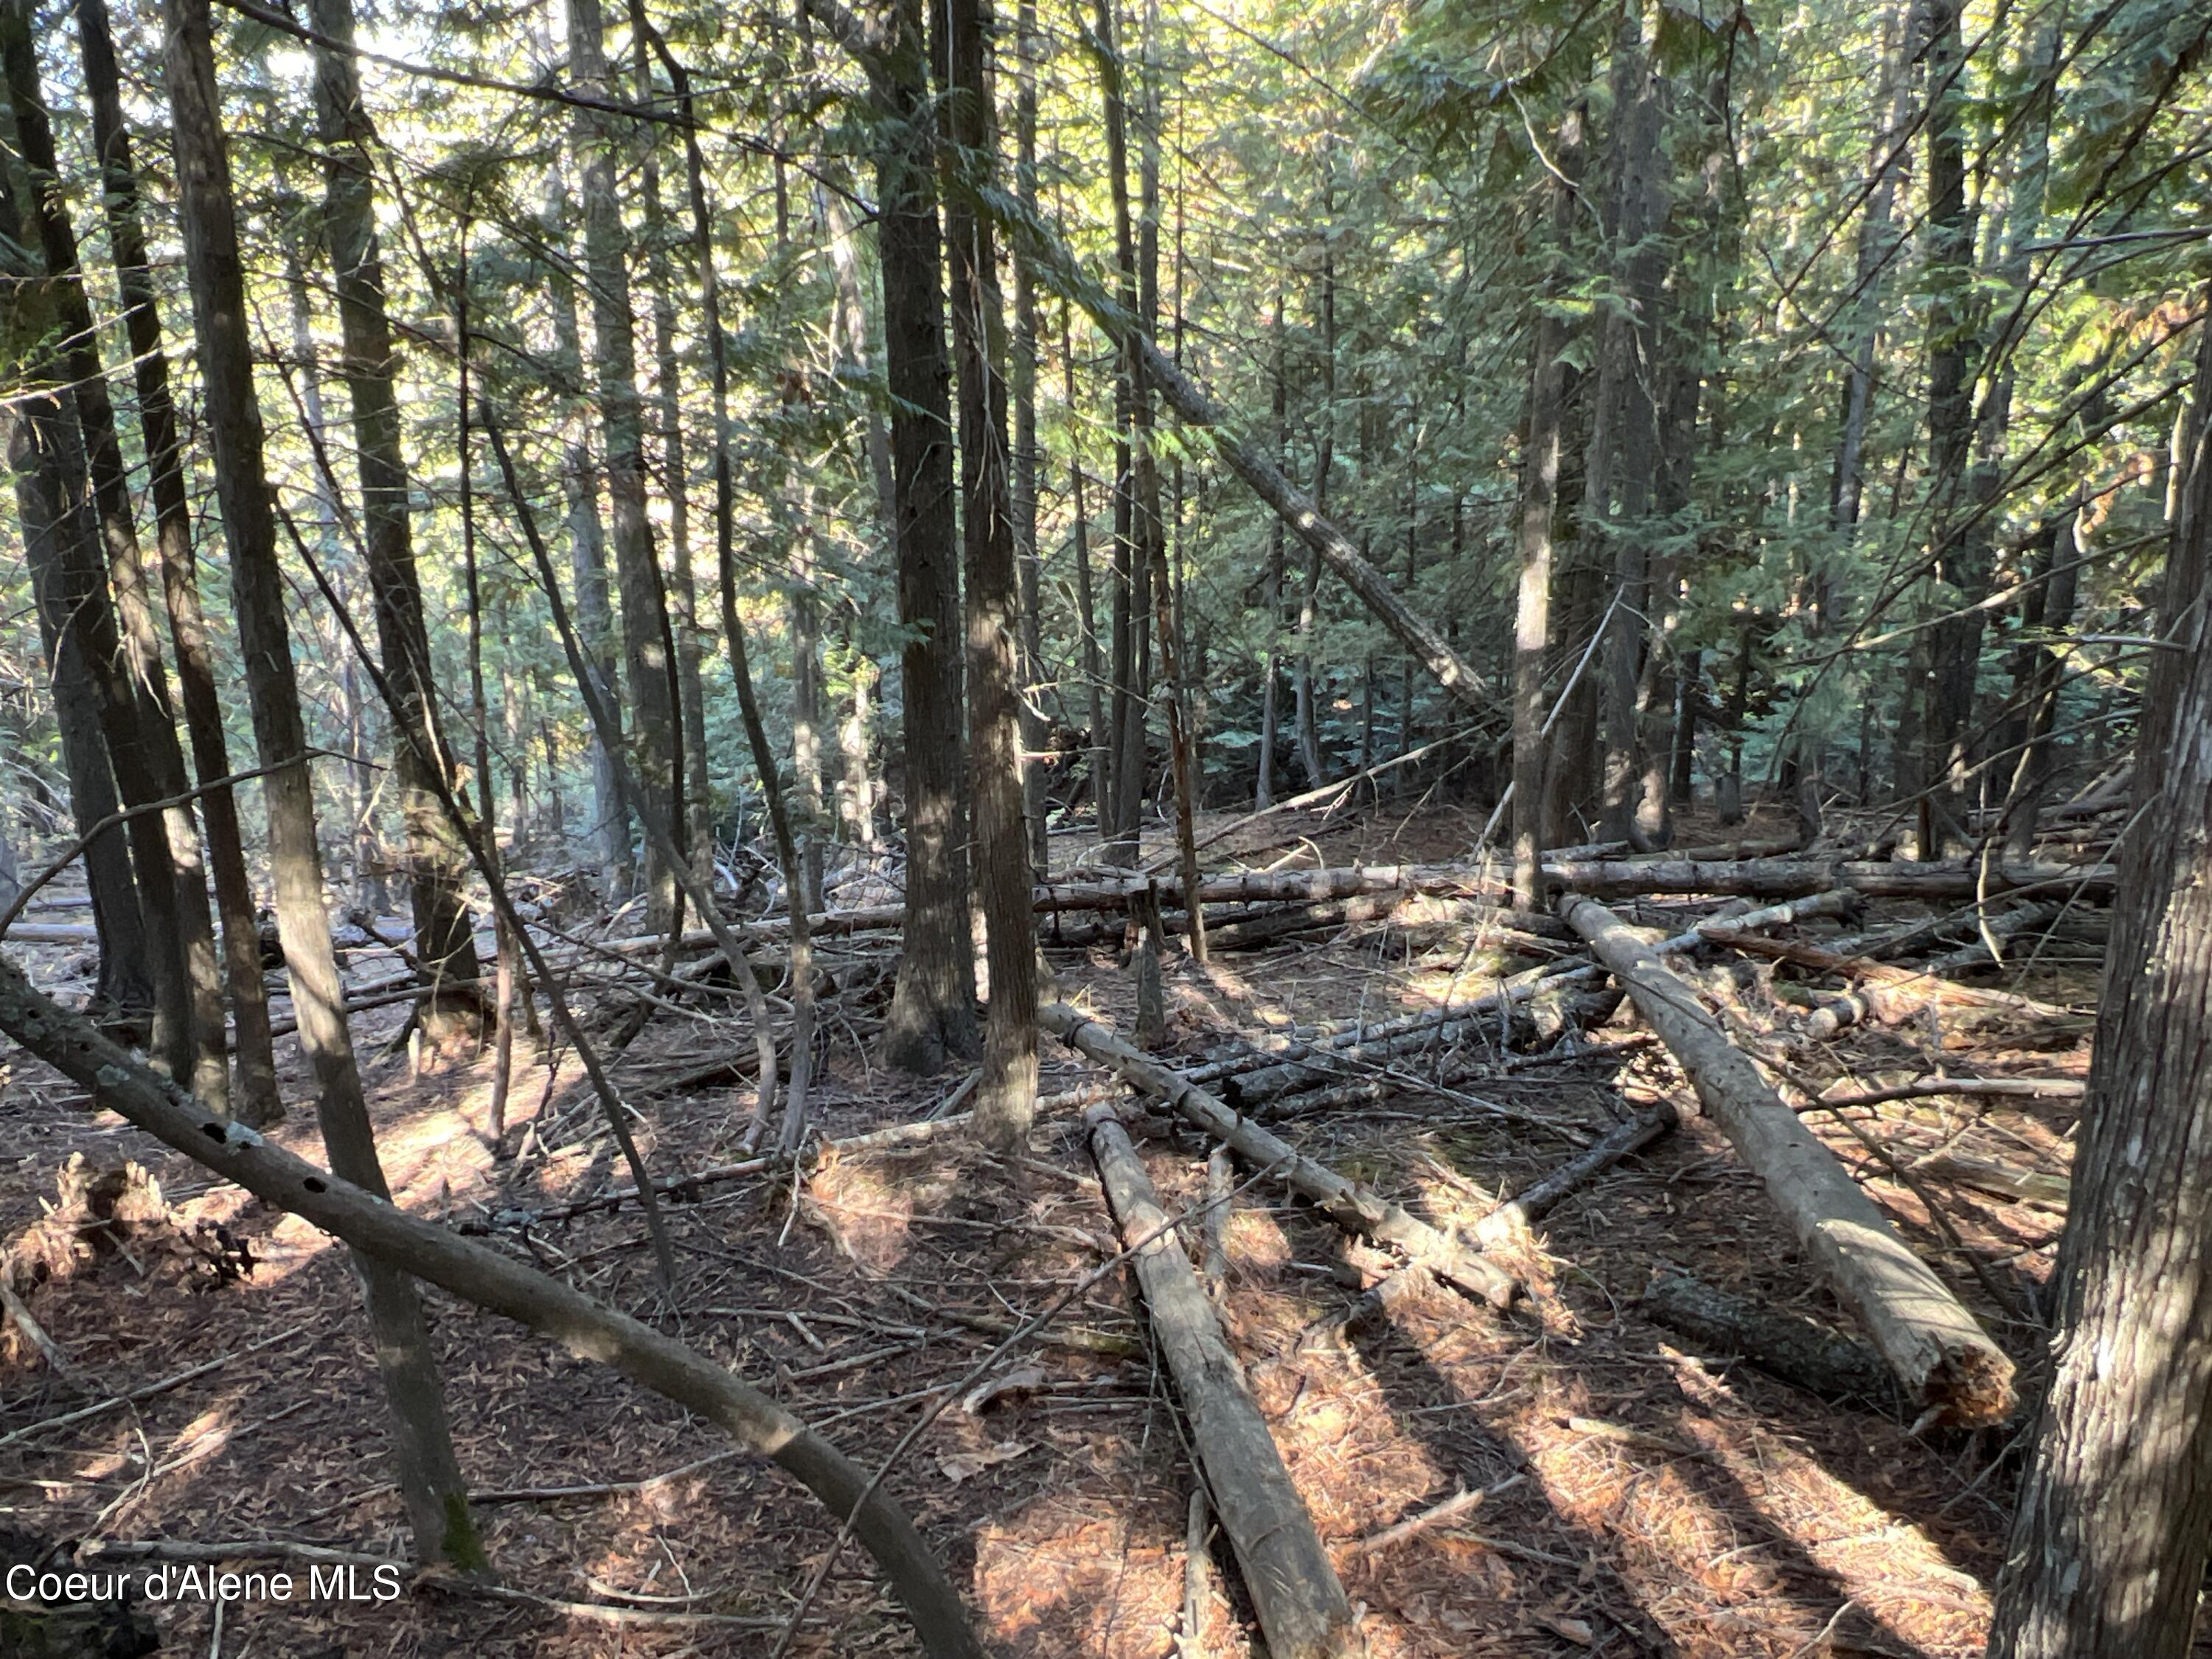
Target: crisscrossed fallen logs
<point>1306,1064</point>
<point>1943,1357</point>
<point>74,1047</point>
<point>1302,1606</point>
<point>1350,1205</point>
<point>1837,901</point>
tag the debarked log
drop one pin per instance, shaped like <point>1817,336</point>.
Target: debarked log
<point>1302,1606</point>
<point>1351,1205</point>
<point>1939,1352</point>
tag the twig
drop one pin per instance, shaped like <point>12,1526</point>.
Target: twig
<point>98,1407</point>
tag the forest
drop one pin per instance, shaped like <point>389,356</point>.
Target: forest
<point>1199,827</point>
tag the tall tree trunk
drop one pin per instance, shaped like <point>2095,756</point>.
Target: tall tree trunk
<point>47,454</point>
<point>2114,1524</point>
<point>1086,606</point>
<point>126,991</point>
<point>1953,354</point>
<point>1029,456</point>
<point>148,763</point>
<point>683,587</point>
<point>1271,600</point>
<point>1626,437</point>
<point>1005,1097</point>
<point>1540,500</point>
<point>1133,566</point>
<point>437,864</point>
<point>1306,694</point>
<point>1862,328</point>
<point>932,1012</point>
<point>255,1100</point>
<point>587,553</point>
<point>648,665</point>
<point>430,1485</point>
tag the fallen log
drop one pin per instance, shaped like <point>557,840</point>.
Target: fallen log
<point>1788,877</point>
<point>1310,1065</point>
<point>1301,1605</point>
<point>476,1275</point>
<point>1516,1215</point>
<point>1797,1350</point>
<point>1990,1174</point>
<point>1351,1205</point>
<point>1346,1076</point>
<point>1939,1352</point>
<point>2034,1088</point>
<point>1981,953</point>
<point>1841,900</point>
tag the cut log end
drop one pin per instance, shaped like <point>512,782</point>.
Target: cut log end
<point>1972,1388</point>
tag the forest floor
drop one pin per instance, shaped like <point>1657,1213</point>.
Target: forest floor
<point>1643,1498</point>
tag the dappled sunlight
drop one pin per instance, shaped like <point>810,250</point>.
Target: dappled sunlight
<point>1081,1569</point>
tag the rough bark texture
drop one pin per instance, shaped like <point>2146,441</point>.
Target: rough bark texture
<point>648,663</point>
<point>1539,500</point>
<point>429,1480</point>
<point>47,449</point>
<point>1005,1097</point>
<point>256,1099</point>
<point>1798,1350</point>
<point>2110,1541</point>
<point>1302,1606</point>
<point>445,936</point>
<point>1939,1354</point>
<point>932,1013</point>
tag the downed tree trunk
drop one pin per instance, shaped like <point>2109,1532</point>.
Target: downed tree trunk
<point>1506,1020</point>
<point>1784,878</point>
<point>1939,1352</point>
<point>1837,901</point>
<point>1351,1205</point>
<point>1981,953</point>
<point>1799,1351</point>
<point>1516,1215</point>
<point>381,1230</point>
<point>1893,991</point>
<point>1302,1606</point>
<point>1990,1174</point>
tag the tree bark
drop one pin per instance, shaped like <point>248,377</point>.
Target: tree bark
<point>257,1102</point>
<point>445,933</point>
<point>932,1012</point>
<point>587,551</point>
<point>1302,1606</point>
<point>1005,1097</point>
<point>1539,500</point>
<point>430,1485</point>
<point>649,671</point>
<point>119,923</point>
<point>69,426</point>
<point>2114,1524</point>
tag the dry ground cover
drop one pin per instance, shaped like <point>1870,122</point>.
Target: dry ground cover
<point>1643,1496</point>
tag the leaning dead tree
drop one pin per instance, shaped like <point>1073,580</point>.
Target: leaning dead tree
<point>1943,1357</point>
<point>409,1245</point>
